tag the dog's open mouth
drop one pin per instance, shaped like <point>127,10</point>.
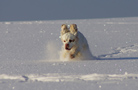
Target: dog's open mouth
<point>67,47</point>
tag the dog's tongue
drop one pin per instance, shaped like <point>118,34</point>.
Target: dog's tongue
<point>67,47</point>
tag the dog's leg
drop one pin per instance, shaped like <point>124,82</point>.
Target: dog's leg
<point>65,53</point>
<point>74,53</point>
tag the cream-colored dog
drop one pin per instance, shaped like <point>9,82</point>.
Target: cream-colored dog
<point>75,46</point>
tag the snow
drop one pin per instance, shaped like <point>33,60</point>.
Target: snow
<point>29,56</point>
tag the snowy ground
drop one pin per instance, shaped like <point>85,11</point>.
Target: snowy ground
<point>29,57</point>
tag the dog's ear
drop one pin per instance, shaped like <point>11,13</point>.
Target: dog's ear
<point>73,29</point>
<point>64,29</point>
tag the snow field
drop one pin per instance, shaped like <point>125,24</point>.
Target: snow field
<point>29,56</point>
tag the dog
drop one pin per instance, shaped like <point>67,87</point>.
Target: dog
<point>75,46</point>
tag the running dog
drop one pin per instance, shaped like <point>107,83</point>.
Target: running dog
<point>75,46</point>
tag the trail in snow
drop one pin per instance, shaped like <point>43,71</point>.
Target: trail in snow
<point>121,50</point>
<point>51,77</point>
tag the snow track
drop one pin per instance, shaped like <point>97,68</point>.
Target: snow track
<point>69,78</point>
<point>122,50</point>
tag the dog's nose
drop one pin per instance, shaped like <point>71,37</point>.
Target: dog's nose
<point>67,45</point>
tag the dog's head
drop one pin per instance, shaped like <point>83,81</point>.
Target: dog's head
<point>69,40</point>
<point>69,37</point>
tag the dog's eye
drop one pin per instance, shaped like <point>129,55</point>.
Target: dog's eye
<point>64,41</point>
<point>71,40</point>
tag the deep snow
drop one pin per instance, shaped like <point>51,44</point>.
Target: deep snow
<point>29,56</point>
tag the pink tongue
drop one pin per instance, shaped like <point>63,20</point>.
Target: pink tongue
<point>67,46</point>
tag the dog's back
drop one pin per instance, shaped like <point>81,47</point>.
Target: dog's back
<point>82,40</point>
<point>84,47</point>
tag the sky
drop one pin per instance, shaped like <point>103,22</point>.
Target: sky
<point>26,10</point>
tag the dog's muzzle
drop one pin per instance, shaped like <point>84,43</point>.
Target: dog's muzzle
<point>67,47</point>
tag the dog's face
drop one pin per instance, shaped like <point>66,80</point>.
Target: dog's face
<point>69,40</point>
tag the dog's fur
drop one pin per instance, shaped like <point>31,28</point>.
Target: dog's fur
<point>75,45</point>
<point>64,29</point>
